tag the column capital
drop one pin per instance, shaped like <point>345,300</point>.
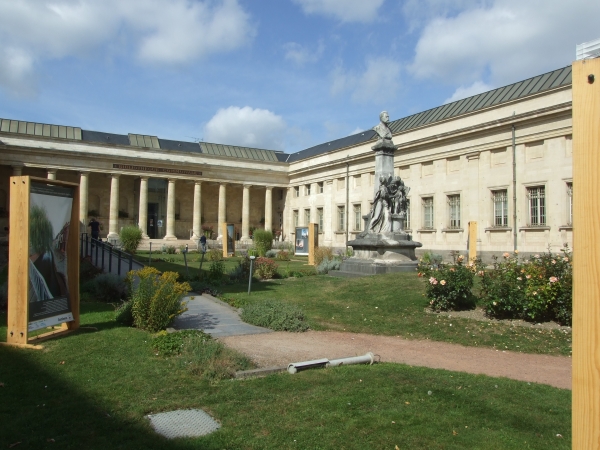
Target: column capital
<point>84,172</point>
<point>114,175</point>
<point>145,177</point>
<point>172,180</point>
<point>198,183</point>
<point>269,188</point>
<point>248,186</point>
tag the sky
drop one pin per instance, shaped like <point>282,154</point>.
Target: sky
<point>274,74</point>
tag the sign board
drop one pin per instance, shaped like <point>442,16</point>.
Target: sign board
<point>228,236</point>
<point>43,276</point>
<point>301,241</point>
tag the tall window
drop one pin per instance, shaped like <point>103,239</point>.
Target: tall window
<point>407,218</point>
<point>428,212</point>
<point>454,211</point>
<point>356,209</point>
<point>306,216</point>
<point>295,214</point>
<point>296,191</point>
<point>569,203</point>
<point>307,189</point>
<point>341,210</point>
<point>320,218</point>
<point>320,188</point>
<point>500,200</point>
<point>537,206</point>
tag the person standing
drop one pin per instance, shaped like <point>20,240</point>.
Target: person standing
<point>95,228</point>
<point>203,243</point>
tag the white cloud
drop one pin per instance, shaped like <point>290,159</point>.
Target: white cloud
<point>463,92</point>
<point>356,131</point>
<point>258,128</point>
<point>301,55</point>
<point>503,40</point>
<point>343,10</point>
<point>155,31</point>
<point>16,72</point>
<point>378,83</point>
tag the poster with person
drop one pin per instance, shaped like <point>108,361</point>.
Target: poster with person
<point>49,219</point>
<point>301,247</point>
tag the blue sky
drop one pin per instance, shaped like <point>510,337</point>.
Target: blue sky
<point>276,74</point>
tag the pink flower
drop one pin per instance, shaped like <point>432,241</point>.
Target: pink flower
<point>506,255</point>
<point>536,256</point>
<point>565,259</point>
<point>516,252</point>
<point>553,261</point>
<point>553,279</point>
<point>528,276</point>
<point>443,282</point>
<point>519,278</point>
<point>460,258</point>
<point>480,273</point>
<point>432,280</point>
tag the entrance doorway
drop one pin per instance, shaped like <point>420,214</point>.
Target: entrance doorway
<point>152,224</point>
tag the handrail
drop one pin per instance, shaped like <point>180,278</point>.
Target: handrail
<point>88,245</point>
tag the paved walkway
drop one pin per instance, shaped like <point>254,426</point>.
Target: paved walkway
<point>213,317</point>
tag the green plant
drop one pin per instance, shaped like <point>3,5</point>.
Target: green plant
<point>263,241</point>
<point>130,237</point>
<point>252,251</point>
<point>449,285</point>
<point>124,314</point>
<point>282,255</point>
<point>216,270</point>
<point>155,297</point>
<point>170,250</point>
<point>214,255</point>
<point>431,259</point>
<point>265,268</point>
<point>106,287</point>
<point>327,265</point>
<point>271,254</point>
<point>322,253</point>
<point>275,315</point>
<point>40,230</point>
<point>168,344</point>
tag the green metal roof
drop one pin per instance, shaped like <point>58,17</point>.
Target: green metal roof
<point>141,140</point>
<point>39,129</point>
<point>239,152</point>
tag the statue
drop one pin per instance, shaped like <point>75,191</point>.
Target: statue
<point>389,200</point>
<point>384,133</point>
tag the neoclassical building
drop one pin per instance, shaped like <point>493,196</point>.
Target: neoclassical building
<point>502,159</point>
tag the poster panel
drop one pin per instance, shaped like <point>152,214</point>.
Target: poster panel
<point>49,220</point>
<point>301,244</point>
<point>230,238</point>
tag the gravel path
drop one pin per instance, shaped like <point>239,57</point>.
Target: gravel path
<point>280,349</point>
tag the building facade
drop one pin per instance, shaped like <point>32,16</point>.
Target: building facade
<point>502,159</point>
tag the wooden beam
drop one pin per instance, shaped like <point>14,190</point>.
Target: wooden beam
<point>586,255</point>
<point>313,242</point>
<point>472,240</point>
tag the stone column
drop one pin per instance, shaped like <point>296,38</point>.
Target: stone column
<point>83,200</point>
<point>17,171</point>
<point>170,236</point>
<point>197,219</point>
<point>113,218</point>
<point>143,208</point>
<point>269,208</point>
<point>287,211</point>
<point>222,209</point>
<point>52,174</point>
<point>246,213</point>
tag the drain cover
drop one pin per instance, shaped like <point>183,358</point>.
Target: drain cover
<point>183,423</point>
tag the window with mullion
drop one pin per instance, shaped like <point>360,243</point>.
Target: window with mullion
<point>454,211</point>
<point>428,212</point>
<point>341,218</point>
<point>537,206</point>
<point>500,199</point>
<point>570,204</point>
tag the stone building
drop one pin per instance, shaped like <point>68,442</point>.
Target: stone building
<point>502,158</point>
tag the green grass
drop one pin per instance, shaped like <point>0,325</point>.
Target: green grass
<point>111,379</point>
<point>394,305</point>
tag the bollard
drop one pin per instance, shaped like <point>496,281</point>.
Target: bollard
<point>250,277</point>
<point>150,256</point>
<point>187,273</point>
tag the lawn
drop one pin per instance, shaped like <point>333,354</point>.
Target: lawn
<point>92,389</point>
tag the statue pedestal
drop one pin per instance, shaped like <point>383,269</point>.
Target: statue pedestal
<point>377,253</point>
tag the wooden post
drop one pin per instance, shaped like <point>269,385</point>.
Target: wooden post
<point>18,262</point>
<point>586,248</point>
<point>472,240</point>
<point>313,242</point>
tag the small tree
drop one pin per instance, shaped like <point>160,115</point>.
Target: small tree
<point>40,230</point>
<point>263,241</point>
<point>130,237</point>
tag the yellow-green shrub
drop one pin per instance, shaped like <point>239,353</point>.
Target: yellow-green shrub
<point>322,253</point>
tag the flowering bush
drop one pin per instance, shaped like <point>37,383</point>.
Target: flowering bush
<point>265,268</point>
<point>449,285</point>
<point>538,289</point>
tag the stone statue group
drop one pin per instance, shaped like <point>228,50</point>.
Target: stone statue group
<point>390,200</point>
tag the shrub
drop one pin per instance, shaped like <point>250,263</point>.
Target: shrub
<point>156,298</point>
<point>322,253</point>
<point>431,259</point>
<point>271,254</point>
<point>252,251</point>
<point>216,270</point>
<point>449,286</point>
<point>263,241</point>
<point>275,315</point>
<point>130,237</point>
<point>327,265</point>
<point>283,255</point>
<point>265,268</point>
<point>106,287</point>
<point>215,255</point>
<point>170,250</point>
<point>168,344</point>
<point>242,271</point>
<point>503,288</point>
<point>124,315</point>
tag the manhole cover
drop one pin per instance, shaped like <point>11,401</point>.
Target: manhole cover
<point>183,423</point>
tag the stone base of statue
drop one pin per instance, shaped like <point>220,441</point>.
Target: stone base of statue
<point>378,253</point>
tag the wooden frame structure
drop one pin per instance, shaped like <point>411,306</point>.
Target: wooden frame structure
<point>225,240</point>
<point>586,251</point>
<point>472,240</point>
<point>18,263</point>
<point>313,242</point>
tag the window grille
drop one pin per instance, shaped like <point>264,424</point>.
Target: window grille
<point>307,189</point>
<point>320,187</point>
<point>500,200</point>
<point>341,218</point>
<point>570,204</point>
<point>537,206</point>
<point>428,212</point>
<point>307,216</point>
<point>296,191</point>
<point>295,213</point>
<point>357,217</point>
<point>454,211</point>
<point>407,223</point>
